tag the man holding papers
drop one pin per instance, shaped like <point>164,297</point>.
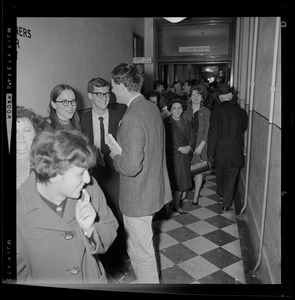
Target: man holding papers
<point>144,181</point>
<point>98,123</point>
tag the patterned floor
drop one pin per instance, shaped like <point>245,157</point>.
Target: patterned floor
<point>202,247</point>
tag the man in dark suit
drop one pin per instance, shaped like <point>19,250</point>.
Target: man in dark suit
<point>108,179</point>
<point>228,122</point>
<point>144,181</point>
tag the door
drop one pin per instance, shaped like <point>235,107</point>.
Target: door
<point>203,72</point>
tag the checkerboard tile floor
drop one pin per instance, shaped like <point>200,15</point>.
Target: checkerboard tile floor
<point>202,247</point>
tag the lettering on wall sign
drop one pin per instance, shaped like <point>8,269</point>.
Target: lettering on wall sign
<point>22,32</point>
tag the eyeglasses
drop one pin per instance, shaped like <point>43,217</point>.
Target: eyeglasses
<point>65,103</point>
<point>100,94</point>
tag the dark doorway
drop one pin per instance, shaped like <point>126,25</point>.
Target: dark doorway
<point>203,72</point>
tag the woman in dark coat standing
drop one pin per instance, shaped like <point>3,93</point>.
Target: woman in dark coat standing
<point>180,141</point>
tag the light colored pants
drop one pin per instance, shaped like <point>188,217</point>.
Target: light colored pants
<point>140,248</point>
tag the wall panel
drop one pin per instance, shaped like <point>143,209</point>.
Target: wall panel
<point>72,51</point>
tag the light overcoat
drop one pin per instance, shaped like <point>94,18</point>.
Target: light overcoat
<point>52,249</point>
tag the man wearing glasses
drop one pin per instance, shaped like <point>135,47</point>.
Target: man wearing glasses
<point>97,122</point>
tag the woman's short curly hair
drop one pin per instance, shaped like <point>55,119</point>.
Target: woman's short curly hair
<point>27,113</point>
<point>177,100</point>
<point>54,153</point>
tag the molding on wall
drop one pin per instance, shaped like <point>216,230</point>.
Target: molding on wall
<point>263,273</point>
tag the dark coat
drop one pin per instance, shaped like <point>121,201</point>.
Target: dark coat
<point>106,176</point>
<point>228,122</point>
<point>178,164</point>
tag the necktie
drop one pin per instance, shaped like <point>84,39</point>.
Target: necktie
<point>102,135</point>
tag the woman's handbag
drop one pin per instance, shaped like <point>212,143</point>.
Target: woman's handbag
<point>200,167</point>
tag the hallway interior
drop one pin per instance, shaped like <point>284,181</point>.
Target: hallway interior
<point>202,247</point>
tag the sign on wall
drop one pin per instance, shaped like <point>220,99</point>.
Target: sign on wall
<point>142,60</point>
<point>194,49</point>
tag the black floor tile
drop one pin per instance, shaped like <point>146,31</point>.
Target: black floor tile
<point>219,221</point>
<point>178,253</point>
<point>219,277</point>
<point>219,237</point>
<point>182,234</point>
<point>220,257</point>
<point>176,275</point>
<point>216,207</point>
<point>186,219</point>
<point>214,197</point>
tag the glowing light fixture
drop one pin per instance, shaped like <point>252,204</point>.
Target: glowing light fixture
<point>174,19</point>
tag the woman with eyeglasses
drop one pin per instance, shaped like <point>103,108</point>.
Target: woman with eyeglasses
<point>63,109</point>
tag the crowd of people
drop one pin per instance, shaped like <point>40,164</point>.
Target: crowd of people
<point>89,183</point>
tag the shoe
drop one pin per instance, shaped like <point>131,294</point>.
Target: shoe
<point>180,211</point>
<point>195,203</point>
<point>224,208</point>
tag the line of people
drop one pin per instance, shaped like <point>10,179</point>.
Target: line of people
<point>85,208</point>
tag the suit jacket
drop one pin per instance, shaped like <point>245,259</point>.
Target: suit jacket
<point>228,122</point>
<point>144,181</point>
<point>116,112</point>
<point>104,173</point>
<point>53,249</point>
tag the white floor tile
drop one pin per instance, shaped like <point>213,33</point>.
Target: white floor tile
<point>203,213</point>
<point>232,229</point>
<point>204,201</point>
<point>166,225</point>
<point>236,271</point>
<point>200,245</point>
<point>198,267</point>
<point>234,248</point>
<point>206,192</point>
<point>163,240</point>
<point>201,227</point>
<point>165,262</point>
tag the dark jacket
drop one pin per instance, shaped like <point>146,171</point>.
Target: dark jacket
<point>104,173</point>
<point>228,122</point>
<point>116,112</point>
<point>178,164</point>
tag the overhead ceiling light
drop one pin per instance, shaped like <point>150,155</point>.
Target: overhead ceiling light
<point>174,19</point>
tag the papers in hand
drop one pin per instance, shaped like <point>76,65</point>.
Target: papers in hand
<point>112,143</point>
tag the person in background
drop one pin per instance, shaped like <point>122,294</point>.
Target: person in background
<point>228,123</point>
<point>28,124</point>
<point>212,100</point>
<point>154,97</point>
<point>63,109</point>
<point>144,181</point>
<point>180,142</point>
<point>159,87</point>
<point>63,220</point>
<point>200,123</point>
<point>170,88</point>
<point>98,92</point>
<point>188,84</point>
<point>178,88</point>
